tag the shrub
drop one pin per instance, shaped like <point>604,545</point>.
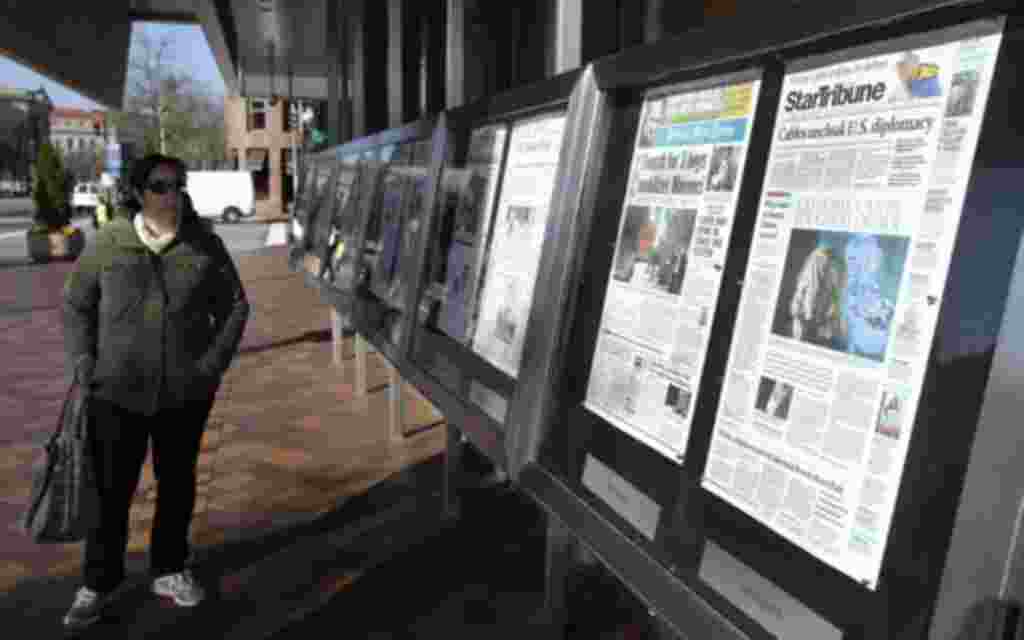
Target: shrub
<point>51,191</point>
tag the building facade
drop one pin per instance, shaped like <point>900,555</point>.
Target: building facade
<point>260,140</point>
<point>24,125</point>
<point>74,130</point>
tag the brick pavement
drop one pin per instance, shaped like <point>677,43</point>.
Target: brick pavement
<point>288,439</point>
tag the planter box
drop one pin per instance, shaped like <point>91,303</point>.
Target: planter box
<point>54,245</point>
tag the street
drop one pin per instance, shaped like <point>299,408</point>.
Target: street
<point>16,218</point>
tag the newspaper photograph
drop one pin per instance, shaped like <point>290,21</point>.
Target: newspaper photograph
<point>470,192</point>
<point>341,223</point>
<point>667,269</point>
<point>516,240</point>
<point>856,225</point>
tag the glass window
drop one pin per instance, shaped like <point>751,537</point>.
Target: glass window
<point>257,116</point>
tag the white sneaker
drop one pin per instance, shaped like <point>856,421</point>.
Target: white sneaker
<point>86,609</point>
<point>182,587</point>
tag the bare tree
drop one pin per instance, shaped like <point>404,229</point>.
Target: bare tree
<point>189,117</point>
<point>152,79</point>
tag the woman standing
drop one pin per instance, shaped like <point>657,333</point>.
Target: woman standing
<point>154,311</point>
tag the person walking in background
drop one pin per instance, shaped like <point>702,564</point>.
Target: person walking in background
<point>154,311</point>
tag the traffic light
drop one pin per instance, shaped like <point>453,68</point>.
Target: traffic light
<point>293,115</point>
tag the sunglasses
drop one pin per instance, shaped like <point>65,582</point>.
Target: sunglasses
<point>163,186</point>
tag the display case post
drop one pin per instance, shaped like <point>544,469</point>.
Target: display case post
<point>337,339</point>
<point>452,472</point>
<point>396,408</point>
<point>559,554</point>
<point>360,350</point>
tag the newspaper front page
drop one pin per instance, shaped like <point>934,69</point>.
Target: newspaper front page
<point>341,222</point>
<point>678,216</point>
<point>862,200</point>
<point>471,191</point>
<point>517,238</point>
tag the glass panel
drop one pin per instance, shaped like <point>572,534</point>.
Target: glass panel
<point>517,237</point>
<point>397,219</point>
<point>468,190</point>
<point>674,233</point>
<point>344,219</point>
<point>834,330</point>
<point>392,230</point>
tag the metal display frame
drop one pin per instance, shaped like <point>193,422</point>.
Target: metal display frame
<point>367,308</point>
<point>957,483</point>
<point>307,212</point>
<point>572,92</point>
<point>340,298</point>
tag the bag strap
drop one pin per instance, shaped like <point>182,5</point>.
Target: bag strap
<point>68,398</point>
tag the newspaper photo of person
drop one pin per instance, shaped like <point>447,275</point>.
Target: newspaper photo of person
<point>675,230</point>
<point>654,118</point>
<point>962,94</point>
<point>629,242</point>
<point>839,290</point>
<point>724,168</point>
<point>506,324</point>
<point>774,398</point>
<point>678,400</point>
<point>890,414</point>
<point>470,206</point>
<point>915,79</point>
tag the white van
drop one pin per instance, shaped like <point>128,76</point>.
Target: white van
<point>228,195</point>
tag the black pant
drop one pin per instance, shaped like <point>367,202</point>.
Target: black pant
<point>119,440</point>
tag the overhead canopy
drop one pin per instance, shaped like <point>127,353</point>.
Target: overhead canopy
<point>84,45</point>
<point>81,45</point>
<point>284,51</point>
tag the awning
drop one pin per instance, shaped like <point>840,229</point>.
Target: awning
<point>256,159</point>
<point>50,38</point>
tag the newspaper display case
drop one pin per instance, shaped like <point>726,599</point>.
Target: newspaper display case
<point>798,429</point>
<point>400,170</point>
<point>340,225</point>
<point>313,200</point>
<point>490,291</point>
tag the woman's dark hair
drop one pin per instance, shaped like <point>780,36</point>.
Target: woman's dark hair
<point>143,168</point>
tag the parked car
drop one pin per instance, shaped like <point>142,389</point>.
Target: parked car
<point>84,197</point>
<point>228,195</point>
<point>14,189</point>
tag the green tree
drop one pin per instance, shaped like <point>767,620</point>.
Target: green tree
<point>50,191</point>
<point>82,165</point>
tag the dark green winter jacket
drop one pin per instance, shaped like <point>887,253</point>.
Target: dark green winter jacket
<point>148,331</point>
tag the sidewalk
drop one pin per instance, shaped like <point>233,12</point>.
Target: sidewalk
<point>287,445</point>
